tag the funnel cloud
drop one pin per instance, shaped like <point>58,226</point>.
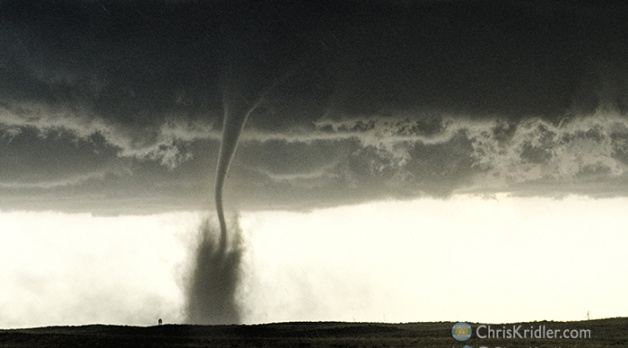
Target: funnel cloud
<point>235,118</point>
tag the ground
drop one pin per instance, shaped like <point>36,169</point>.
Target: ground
<point>605,333</point>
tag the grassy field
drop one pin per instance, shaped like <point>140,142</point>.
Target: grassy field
<point>604,333</point>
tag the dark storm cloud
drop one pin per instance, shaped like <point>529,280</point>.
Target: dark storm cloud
<point>107,101</point>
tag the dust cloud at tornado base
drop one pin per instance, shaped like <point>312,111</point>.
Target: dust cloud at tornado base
<point>215,276</point>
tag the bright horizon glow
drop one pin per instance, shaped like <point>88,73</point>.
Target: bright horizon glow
<point>505,259</point>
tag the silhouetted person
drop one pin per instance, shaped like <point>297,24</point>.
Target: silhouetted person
<point>159,322</point>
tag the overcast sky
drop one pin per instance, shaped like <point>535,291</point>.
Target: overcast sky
<point>111,113</point>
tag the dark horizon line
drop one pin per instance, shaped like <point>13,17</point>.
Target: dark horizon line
<point>304,322</point>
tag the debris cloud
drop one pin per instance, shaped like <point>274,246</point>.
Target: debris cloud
<point>212,292</point>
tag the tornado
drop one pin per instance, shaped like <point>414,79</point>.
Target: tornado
<point>216,272</point>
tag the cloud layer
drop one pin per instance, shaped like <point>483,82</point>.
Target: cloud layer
<point>110,107</point>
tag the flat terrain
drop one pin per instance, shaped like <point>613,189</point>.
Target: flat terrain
<point>604,332</point>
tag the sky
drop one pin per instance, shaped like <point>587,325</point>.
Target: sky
<point>400,161</point>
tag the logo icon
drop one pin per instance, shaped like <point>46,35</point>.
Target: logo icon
<point>461,331</point>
